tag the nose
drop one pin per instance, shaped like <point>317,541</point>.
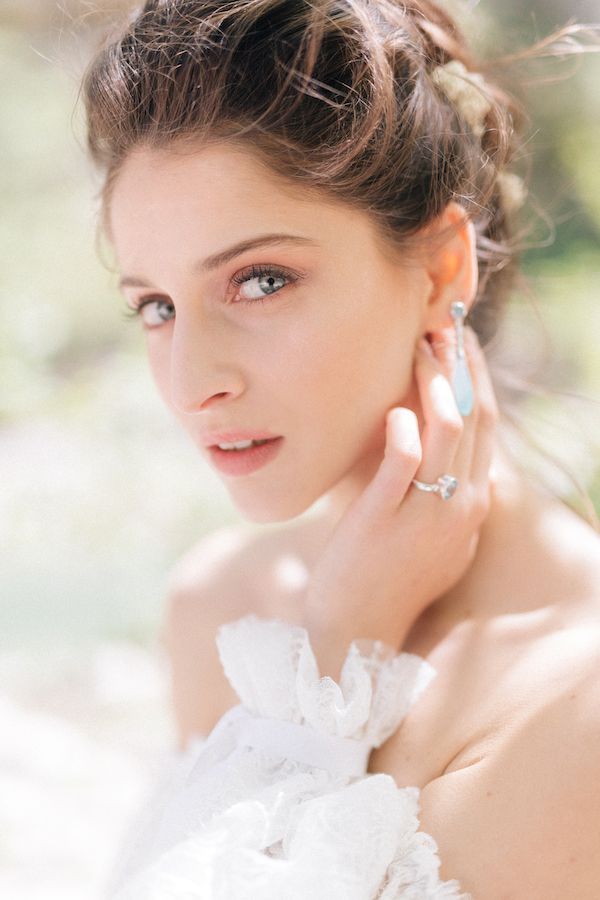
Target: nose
<point>204,371</point>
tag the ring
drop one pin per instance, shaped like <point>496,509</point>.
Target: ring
<point>445,486</point>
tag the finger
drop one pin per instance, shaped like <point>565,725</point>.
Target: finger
<point>487,419</point>
<point>443,343</point>
<point>402,455</point>
<point>467,447</point>
<point>444,426</point>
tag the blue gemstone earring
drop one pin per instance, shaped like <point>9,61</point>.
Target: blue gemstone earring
<point>461,378</point>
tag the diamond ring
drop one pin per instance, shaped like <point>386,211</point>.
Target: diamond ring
<point>445,486</point>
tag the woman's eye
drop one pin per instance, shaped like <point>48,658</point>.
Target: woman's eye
<point>255,285</point>
<point>258,282</point>
<point>154,312</point>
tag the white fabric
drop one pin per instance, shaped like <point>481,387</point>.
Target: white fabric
<point>276,803</point>
<point>303,744</point>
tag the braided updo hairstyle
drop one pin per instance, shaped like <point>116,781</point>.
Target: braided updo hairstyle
<point>337,97</point>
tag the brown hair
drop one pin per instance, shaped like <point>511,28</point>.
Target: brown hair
<point>336,97</point>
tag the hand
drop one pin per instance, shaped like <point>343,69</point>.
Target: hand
<point>396,548</point>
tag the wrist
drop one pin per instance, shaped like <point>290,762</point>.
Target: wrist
<point>331,635</point>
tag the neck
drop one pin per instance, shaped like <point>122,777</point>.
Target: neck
<point>509,531</point>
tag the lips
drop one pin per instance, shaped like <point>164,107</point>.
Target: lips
<point>244,462</point>
<point>211,438</point>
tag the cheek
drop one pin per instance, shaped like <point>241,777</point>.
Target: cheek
<point>362,359</point>
<point>395,362</point>
<point>353,374</point>
<point>158,356</point>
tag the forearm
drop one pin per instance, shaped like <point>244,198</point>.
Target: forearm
<point>330,635</point>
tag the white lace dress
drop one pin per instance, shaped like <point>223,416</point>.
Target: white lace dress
<point>276,802</point>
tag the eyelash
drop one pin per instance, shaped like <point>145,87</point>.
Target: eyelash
<point>255,271</point>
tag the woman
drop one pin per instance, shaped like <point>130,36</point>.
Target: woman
<point>305,203</point>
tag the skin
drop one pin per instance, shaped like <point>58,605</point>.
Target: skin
<point>325,356</point>
<point>513,639</point>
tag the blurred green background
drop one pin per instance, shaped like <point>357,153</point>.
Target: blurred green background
<point>100,490</point>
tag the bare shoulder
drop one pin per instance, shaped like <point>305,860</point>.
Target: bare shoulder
<point>531,639</point>
<point>237,569</point>
<point>516,813</point>
<point>213,563</point>
<point>514,806</point>
<point>233,571</point>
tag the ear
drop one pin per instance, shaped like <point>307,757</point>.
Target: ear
<point>451,267</point>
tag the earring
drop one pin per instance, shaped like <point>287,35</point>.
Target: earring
<point>461,378</point>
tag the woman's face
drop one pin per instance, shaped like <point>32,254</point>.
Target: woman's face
<point>311,337</point>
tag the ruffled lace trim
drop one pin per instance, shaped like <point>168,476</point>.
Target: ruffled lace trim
<point>377,684</point>
<point>249,821</point>
<point>357,843</point>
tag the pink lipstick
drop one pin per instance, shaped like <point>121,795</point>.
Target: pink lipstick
<point>243,462</point>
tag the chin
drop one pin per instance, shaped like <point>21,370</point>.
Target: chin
<point>267,500</point>
<point>270,508</point>
<point>278,501</point>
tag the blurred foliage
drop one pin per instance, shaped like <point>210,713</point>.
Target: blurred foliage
<point>94,509</point>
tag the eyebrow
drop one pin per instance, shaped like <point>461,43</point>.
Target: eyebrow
<point>224,256</point>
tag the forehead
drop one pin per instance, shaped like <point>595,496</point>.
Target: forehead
<point>212,173</point>
<point>217,195</point>
<point>154,185</point>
